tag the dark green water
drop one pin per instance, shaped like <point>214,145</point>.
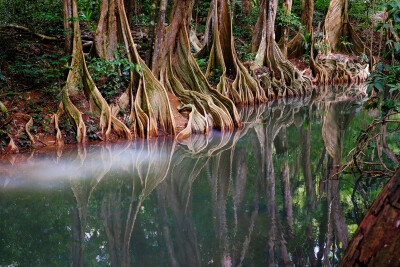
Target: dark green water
<point>255,197</point>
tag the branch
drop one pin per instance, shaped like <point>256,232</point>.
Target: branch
<point>41,36</point>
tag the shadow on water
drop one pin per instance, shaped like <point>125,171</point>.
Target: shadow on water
<point>266,194</point>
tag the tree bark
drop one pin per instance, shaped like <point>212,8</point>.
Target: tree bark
<point>105,37</point>
<point>339,31</point>
<point>67,27</point>
<point>159,37</point>
<point>287,6</point>
<point>152,31</point>
<point>377,239</point>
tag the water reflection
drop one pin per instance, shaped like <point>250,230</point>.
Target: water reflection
<point>262,195</point>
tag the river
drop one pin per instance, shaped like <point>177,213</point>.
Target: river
<point>262,195</point>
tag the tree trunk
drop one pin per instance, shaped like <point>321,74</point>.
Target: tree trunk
<point>286,78</point>
<point>377,239</point>
<point>79,75</point>
<point>130,10</point>
<point>295,46</point>
<point>105,37</point>
<point>152,30</point>
<point>150,107</point>
<point>338,30</point>
<point>246,7</point>
<point>340,37</point>
<point>67,27</point>
<point>159,37</point>
<point>182,76</point>
<point>260,27</point>
<point>235,83</point>
<point>287,6</point>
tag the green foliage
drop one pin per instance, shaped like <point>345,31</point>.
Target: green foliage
<point>202,62</point>
<point>44,16</point>
<point>89,12</point>
<point>112,76</point>
<point>306,44</point>
<point>320,9</point>
<point>290,21</point>
<point>240,20</point>
<point>384,83</point>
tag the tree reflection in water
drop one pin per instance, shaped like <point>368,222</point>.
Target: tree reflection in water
<point>264,194</point>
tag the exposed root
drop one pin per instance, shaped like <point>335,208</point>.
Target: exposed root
<point>197,123</point>
<point>216,117</point>
<point>194,41</point>
<point>28,127</point>
<point>55,119</point>
<point>41,36</point>
<point>120,128</point>
<point>151,106</point>
<point>183,72</point>
<point>11,147</point>
<point>74,116</point>
<point>338,69</point>
<point>286,75</point>
<point>244,89</point>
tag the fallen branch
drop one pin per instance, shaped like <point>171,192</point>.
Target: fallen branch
<point>41,36</point>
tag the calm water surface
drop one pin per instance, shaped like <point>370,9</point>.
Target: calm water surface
<point>254,197</point>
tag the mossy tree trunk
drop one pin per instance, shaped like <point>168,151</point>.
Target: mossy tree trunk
<point>105,37</point>
<point>4,116</point>
<point>159,35</point>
